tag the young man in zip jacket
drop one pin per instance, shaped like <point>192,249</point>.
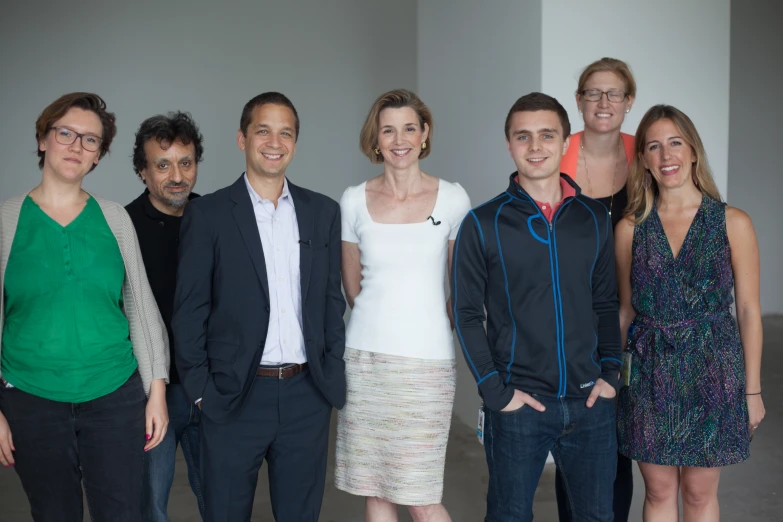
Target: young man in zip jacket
<point>539,258</point>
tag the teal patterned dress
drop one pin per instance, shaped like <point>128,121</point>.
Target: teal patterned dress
<point>685,405</point>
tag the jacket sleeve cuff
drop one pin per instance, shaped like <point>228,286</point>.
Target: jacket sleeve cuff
<point>495,393</point>
<point>612,376</point>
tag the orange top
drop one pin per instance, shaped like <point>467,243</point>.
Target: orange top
<point>568,163</point>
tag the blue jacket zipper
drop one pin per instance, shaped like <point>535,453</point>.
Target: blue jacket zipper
<point>559,336</point>
<point>559,304</point>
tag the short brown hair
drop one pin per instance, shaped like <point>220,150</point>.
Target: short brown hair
<point>81,100</point>
<point>534,102</point>
<point>613,65</point>
<point>396,99</point>
<point>640,198</point>
<point>267,98</point>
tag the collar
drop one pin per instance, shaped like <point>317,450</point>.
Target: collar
<point>570,188</point>
<point>255,198</point>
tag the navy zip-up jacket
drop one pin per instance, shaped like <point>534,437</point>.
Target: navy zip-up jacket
<point>550,295</point>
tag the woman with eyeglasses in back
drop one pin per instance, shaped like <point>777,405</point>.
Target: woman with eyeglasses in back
<point>599,159</point>
<point>83,349</point>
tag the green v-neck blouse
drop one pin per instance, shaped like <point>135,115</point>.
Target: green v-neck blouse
<point>65,336</point>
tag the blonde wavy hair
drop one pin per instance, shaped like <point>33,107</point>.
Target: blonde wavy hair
<point>641,199</point>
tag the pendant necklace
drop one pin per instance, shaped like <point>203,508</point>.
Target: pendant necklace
<point>587,175</point>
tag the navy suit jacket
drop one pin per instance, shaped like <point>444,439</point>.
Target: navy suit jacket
<point>221,304</point>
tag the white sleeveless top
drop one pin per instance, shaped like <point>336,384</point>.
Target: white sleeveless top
<point>401,308</point>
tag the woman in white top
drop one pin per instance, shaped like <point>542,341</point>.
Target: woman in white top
<point>398,232</point>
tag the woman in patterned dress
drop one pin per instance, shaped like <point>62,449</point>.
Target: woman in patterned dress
<point>694,397</point>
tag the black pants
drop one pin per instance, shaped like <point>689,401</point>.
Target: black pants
<point>623,492</point>
<point>60,446</point>
<point>286,423</point>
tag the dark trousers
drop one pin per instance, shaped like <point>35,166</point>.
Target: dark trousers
<point>582,441</point>
<point>159,462</point>
<point>60,446</point>
<point>623,492</point>
<point>286,423</point>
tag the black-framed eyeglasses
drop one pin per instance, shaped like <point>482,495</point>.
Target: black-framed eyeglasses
<point>596,95</point>
<point>66,136</point>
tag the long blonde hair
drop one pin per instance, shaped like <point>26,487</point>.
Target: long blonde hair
<point>640,199</point>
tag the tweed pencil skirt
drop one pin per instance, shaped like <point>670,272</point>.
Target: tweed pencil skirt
<point>392,432</point>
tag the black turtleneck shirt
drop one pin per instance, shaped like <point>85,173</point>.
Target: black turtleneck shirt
<point>159,241</point>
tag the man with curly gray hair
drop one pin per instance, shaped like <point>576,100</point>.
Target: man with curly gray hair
<point>166,155</point>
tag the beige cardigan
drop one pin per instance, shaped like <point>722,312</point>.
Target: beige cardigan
<point>147,331</point>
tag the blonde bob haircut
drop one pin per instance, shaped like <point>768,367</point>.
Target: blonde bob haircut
<point>640,198</point>
<point>396,99</point>
<point>613,65</point>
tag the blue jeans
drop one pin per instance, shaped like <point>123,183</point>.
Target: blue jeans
<point>623,492</point>
<point>583,442</point>
<point>159,462</point>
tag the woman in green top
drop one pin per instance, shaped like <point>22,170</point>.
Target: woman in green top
<point>83,350</point>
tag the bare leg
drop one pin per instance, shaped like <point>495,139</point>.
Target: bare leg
<point>662,484</point>
<point>700,494</point>
<point>379,510</point>
<point>431,513</point>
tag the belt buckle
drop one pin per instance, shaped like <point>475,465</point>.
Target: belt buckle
<point>280,370</point>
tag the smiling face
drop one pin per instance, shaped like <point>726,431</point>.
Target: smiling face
<point>71,162</point>
<point>270,144</point>
<point>604,115</point>
<point>536,143</point>
<point>667,155</point>
<point>170,174</point>
<point>400,136</point>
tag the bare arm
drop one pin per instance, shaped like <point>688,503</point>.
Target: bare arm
<point>623,244</point>
<point>352,271</point>
<point>745,265</point>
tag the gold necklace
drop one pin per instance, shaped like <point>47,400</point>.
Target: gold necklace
<point>587,174</point>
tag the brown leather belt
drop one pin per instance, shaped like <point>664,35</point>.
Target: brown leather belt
<point>283,372</point>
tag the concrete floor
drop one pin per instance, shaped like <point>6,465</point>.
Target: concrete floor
<point>752,491</point>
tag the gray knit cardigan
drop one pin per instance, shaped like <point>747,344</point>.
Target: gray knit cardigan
<point>147,331</point>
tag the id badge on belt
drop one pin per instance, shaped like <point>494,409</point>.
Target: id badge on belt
<point>480,429</point>
<point>625,373</point>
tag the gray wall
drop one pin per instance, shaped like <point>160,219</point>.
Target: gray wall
<point>207,58</point>
<point>475,60</point>
<point>687,66</point>
<point>756,115</point>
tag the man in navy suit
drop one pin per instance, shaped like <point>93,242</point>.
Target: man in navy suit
<point>258,322</point>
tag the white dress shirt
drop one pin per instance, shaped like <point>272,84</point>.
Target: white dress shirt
<point>279,232</point>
